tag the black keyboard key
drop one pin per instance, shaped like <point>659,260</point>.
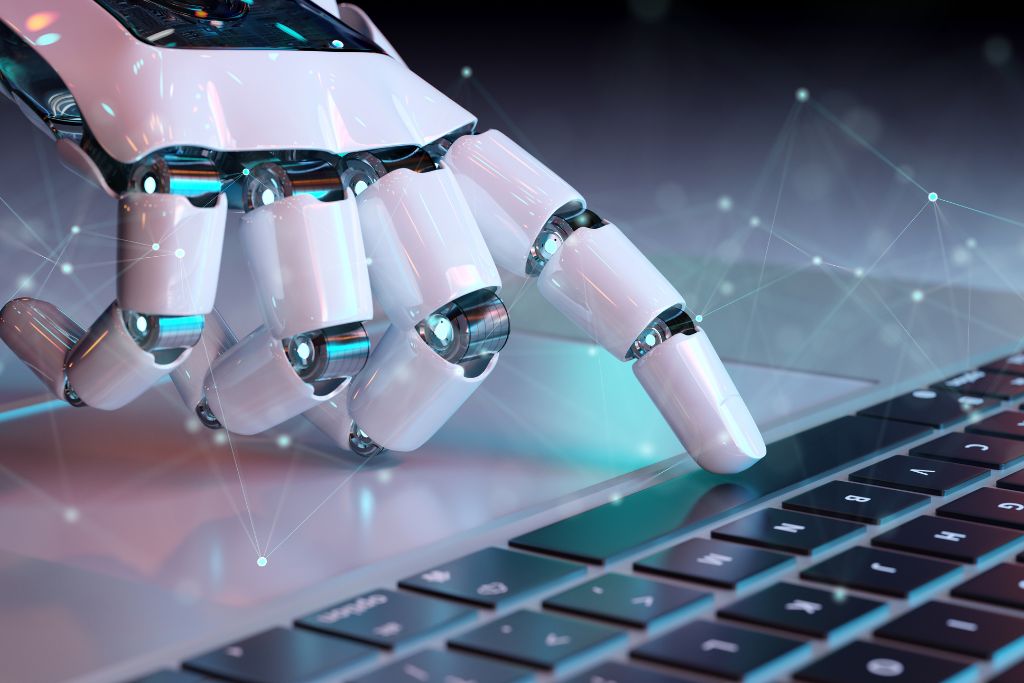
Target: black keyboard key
<point>949,539</point>
<point>921,475</point>
<point>694,499</point>
<point>723,650</point>
<point>1013,481</point>
<point>388,619</point>
<point>631,600</point>
<point>1001,585</point>
<point>493,577</point>
<point>954,628</point>
<point>793,532</point>
<point>283,654</point>
<point>173,677</point>
<point>1009,424</point>
<point>980,383</point>
<point>617,672</point>
<point>860,662</point>
<point>1013,365</point>
<point>715,562</point>
<point>434,666</point>
<point>988,506</point>
<point>547,641</point>
<point>939,409</point>
<point>972,449</point>
<point>856,502</point>
<point>1012,675</point>
<point>882,571</point>
<point>809,611</point>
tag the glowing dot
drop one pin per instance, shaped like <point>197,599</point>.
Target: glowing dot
<point>755,221</point>
<point>156,246</point>
<point>40,20</point>
<point>933,197</point>
<point>592,351</point>
<point>858,272</point>
<point>304,350</point>
<point>290,31</point>
<point>725,203</point>
<point>467,71</point>
<point>107,108</point>
<point>245,171</point>
<point>75,230</point>
<point>369,261</point>
<point>839,595</point>
<point>67,268</point>
<point>267,197</point>
<point>220,438</point>
<point>698,318</point>
<point>192,425</point>
<point>971,243</point>
<point>337,44</point>
<point>261,561</point>
<point>816,260</point>
<point>924,393</point>
<point>615,498</point>
<point>551,244</point>
<point>917,296</point>
<point>802,95</point>
<point>384,476</point>
<point>149,184</point>
<point>284,441</point>
<point>359,186</point>
<point>48,39</point>
<point>141,324</point>
<point>25,282</point>
<point>71,515</point>
<point>179,252</point>
<point>727,288</point>
<point>650,339</point>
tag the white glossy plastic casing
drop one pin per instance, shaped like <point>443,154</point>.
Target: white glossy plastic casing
<point>108,369</point>
<point>168,253</point>
<point>41,336</point>
<point>601,282</point>
<point>354,16</point>
<point>332,417</point>
<point>407,392</point>
<point>138,98</point>
<point>511,194</point>
<point>687,381</point>
<point>424,246</point>
<point>189,378</point>
<point>253,387</point>
<point>308,261</point>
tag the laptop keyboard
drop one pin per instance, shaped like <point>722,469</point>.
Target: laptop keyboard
<point>899,564</point>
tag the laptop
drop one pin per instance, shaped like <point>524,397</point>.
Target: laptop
<point>553,530</point>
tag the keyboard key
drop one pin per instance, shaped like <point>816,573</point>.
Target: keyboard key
<point>1014,365</point>
<point>881,571</point>
<point>809,611</point>
<point>630,600</point>
<point>388,619</point>
<point>1001,585</point>
<point>972,449</point>
<point>1014,481</point>
<point>856,502</point>
<point>723,650</point>
<point>1009,424</point>
<point>949,539</point>
<point>691,500</point>
<point>939,409</point>
<point>859,662</point>
<point>617,672</point>
<point>1012,675</point>
<point>493,577</point>
<point>922,475</point>
<point>715,562</point>
<point>448,667</point>
<point>981,383</point>
<point>173,677</point>
<point>547,641</point>
<point>283,654</point>
<point>793,532</point>
<point>954,628</point>
<point>988,506</point>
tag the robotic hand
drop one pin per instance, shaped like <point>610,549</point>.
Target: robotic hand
<point>354,175</point>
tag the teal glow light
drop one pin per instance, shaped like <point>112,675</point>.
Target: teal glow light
<point>194,186</point>
<point>933,197</point>
<point>29,411</point>
<point>181,323</point>
<point>261,561</point>
<point>698,318</point>
<point>107,108</point>
<point>48,39</point>
<point>290,31</point>
<point>337,44</point>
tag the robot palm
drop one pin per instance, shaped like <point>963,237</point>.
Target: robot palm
<point>392,190</point>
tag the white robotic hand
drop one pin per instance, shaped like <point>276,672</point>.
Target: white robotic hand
<point>354,176</point>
